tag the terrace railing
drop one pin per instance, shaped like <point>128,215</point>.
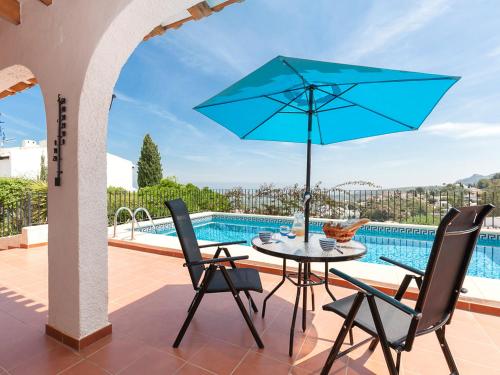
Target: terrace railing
<point>425,207</point>
<point>30,209</point>
<point>417,206</point>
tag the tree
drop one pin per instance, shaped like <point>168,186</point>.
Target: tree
<point>43,169</point>
<point>149,171</point>
<point>483,183</point>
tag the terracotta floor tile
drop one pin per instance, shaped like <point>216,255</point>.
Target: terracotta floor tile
<point>118,354</point>
<point>313,355</point>
<point>85,367</point>
<point>369,367</point>
<point>13,353</point>
<point>190,369</point>
<point>51,362</point>
<point>154,362</point>
<point>189,346</point>
<point>218,356</point>
<point>470,368</point>
<point>255,363</point>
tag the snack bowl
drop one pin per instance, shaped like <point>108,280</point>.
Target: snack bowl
<point>265,236</point>
<point>327,244</point>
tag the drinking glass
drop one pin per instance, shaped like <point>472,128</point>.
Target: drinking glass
<point>284,230</point>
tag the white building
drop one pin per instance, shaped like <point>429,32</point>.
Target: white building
<point>25,162</point>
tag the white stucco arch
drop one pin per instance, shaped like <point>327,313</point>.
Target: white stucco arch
<point>77,49</point>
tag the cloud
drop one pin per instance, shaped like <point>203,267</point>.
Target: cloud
<point>157,111</point>
<point>195,158</point>
<point>378,35</point>
<point>23,123</point>
<point>464,130</point>
<point>495,52</point>
<point>208,51</point>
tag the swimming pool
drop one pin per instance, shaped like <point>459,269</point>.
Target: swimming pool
<point>409,245</point>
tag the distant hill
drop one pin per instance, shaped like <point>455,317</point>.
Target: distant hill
<point>472,180</point>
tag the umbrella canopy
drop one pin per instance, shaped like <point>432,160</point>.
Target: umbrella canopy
<point>315,102</point>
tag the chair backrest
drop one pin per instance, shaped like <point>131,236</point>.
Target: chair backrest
<point>450,256</point>
<point>187,238</point>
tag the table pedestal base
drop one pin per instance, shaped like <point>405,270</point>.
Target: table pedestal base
<point>303,280</point>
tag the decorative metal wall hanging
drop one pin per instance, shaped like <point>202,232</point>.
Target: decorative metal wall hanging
<point>60,141</point>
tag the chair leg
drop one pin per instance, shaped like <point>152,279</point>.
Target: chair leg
<point>194,305</point>
<point>446,351</point>
<point>252,303</point>
<point>243,310</point>
<point>381,335</point>
<point>351,337</point>
<point>398,361</point>
<point>403,287</point>
<point>192,302</point>
<point>346,327</point>
<point>373,344</point>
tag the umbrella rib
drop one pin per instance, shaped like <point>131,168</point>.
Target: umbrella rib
<point>319,125</point>
<point>247,98</point>
<point>287,104</point>
<point>333,109</point>
<point>378,113</point>
<point>271,116</point>
<point>335,96</point>
<point>304,81</point>
<point>395,80</point>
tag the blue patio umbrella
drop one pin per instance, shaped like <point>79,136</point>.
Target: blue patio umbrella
<point>315,102</point>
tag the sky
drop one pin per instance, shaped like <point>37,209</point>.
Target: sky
<point>167,76</point>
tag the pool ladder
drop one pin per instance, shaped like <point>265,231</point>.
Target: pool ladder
<point>134,220</point>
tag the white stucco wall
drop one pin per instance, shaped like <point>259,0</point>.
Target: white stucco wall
<point>22,161</point>
<point>25,162</point>
<point>121,173</point>
<point>77,48</point>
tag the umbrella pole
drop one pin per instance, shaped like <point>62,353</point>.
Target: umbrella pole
<point>307,195</point>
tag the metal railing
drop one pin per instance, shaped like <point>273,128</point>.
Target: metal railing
<point>425,207</point>
<point>415,206</point>
<point>30,209</point>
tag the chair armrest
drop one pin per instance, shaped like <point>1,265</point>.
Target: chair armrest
<point>404,266</point>
<point>217,260</point>
<point>222,244</point>
<point>377,293</point>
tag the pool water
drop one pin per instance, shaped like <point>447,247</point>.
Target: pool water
<point>412,249</point>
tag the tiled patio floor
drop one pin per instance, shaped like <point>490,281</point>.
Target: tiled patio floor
<point>149,295</point>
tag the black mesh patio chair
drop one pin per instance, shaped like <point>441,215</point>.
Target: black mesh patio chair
<point>212,275</point>
<point>394,324</point>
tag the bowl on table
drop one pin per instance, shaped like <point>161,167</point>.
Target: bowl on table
<point>265,236</point>
<point>327,243</point>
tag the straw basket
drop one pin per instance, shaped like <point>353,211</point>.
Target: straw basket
<point>343,233</point>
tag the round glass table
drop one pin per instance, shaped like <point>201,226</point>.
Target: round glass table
<point>305,253</point>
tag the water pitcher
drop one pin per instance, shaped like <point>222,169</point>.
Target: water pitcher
<point>298,226</point>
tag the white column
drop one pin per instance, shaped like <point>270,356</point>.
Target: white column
<point>78,254</point>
